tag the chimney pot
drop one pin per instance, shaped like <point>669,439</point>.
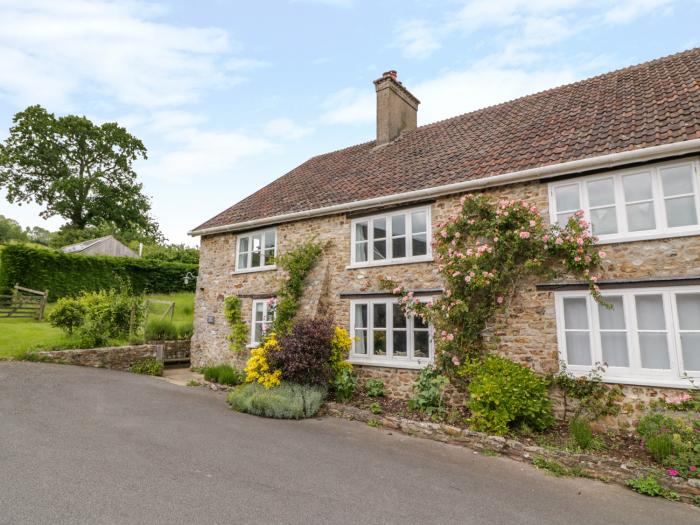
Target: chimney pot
<point>397,108</point>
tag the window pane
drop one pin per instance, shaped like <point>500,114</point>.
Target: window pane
<point>575,314</point>
<point>242,260</point>
<point>361,252</point>
<point>361,231</point>
<point>360,316</point>
<point>419,323</point>
<point>400,343</point>
<point>258,332</point>
<point>604,221</point>
<point>360,341</point>
<point>688,305</point>
<point>578,348</point>
<point>563,218</point>
<point>243,245</point>
<point>650,312</point>
<point>398,225</point>
<point>567,198</point>
<point>270,240</point>
<point>255,259</point>
<point>654,350</point>
<point>398,247</point>
<point>420,344</point>
<point>640,217</point>
<point>420,245</point>
<point>681,211</point>
<point>691,351</point>
<point>259,309</point>
<point>380,250</point>
<point>379,226</point>
<point>615,348</point>
<point>379,311</point>
<point>256,247</point>
<point>637,187</point>
<point>611,319</point>
<point>379,342</point>
<point>418,224</point>
<point>601,192</point>
<point>677,180</point>
<point>398,317</point>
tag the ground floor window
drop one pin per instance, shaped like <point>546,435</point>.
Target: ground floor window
<point>649,336</point>
<point>263,315</point>
<point>382,334</point>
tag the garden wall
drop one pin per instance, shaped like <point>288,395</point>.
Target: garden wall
<point>65,274</point>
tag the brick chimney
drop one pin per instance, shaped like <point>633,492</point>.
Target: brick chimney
<point>396,108</point>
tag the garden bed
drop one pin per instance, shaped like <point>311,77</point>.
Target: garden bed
<point>615,465</point>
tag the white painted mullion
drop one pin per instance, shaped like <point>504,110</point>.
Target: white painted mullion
<point>673,335</point>
<point>594,335</point>
<point>620,205</point>
<point>629,301</point>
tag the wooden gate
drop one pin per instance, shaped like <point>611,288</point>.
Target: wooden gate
<point>24,303</point>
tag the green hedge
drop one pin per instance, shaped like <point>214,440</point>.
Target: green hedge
<point>65,274</point>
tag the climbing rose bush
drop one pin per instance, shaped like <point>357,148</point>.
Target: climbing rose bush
<point>483,252</point>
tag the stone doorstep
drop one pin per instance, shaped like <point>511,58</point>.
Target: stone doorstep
<point>181,376</point>
<point>602,468</point>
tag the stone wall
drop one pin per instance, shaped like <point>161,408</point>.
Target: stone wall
<point>525,333</point>
<point>113,357</point>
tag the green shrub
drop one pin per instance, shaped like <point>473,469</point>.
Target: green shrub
<point>344,384</point>
<point>287,401</point>
<point>67,275</point>
<point>429,391</point>
<point>68,314</point>
<point>148,366</point>
<point>649,486</point>
<point>375,408</point>
<point>673,439</point>
<point>582,434</point>
<point>161,330</point>
<point>223,374</point>
<point>374,387</point>
<point>504,395</point>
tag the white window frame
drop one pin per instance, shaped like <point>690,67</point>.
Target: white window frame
<point>409,258</point>
<point>675,376</point>
<point>388,360</point>
<point>253,322</point>
<point>662,230</point>
<point>249,236</point>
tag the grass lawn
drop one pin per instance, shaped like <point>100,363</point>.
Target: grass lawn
<point>17,336</point>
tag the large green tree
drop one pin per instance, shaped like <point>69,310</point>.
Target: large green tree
<point>77,170</point>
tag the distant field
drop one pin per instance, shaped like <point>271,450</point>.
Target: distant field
<point>18,336</point>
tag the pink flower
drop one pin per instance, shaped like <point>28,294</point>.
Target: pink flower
<point>693,468</point>
<point>579,241</point>
<point>559,241</point>
<point>533,224</point>
<point>524,235</point>
<point>444,233</point>
<point>545,238</point>
<point>672,472</point>
<point>499,299</point>
<point>455,360</point>
<point>467,279</point>
<point>602,254</point>
<point>397,290</point>
<point>577,258</point>
<point>450,337</point>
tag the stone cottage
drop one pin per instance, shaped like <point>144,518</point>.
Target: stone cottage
<point>624,147</point>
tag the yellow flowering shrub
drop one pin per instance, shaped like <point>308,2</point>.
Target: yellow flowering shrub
<point>258,369</point>
<point>340,348</point>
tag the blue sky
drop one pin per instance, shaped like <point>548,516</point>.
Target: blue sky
<point>229,95</point>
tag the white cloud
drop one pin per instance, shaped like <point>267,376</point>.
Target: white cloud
<point>59,49</point>
<point>416,39</point>
<point>286,128</point>
<point>349,106</point>
<point>626,11</point>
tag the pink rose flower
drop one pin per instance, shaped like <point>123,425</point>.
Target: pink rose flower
<point>533,224</point>
<point>602,254</point>
<point>524,235</point>
<point>559,241</point>
<point>672,472</point>
<point>397,290</point>
<point>499,299</point>
<point>693,468</point>
<point>455,360</point>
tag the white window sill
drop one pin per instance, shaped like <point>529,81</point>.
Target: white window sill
<point>250,346</point>
<point>394,262</point>
<point>667,382</point>
<point>255,270</point>
<point>647,236</point>
<point>416,364</point>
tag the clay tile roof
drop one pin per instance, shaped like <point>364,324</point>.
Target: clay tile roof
<point>646,105</point>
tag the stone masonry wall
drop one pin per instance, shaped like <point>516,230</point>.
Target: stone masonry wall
<point>525,333</point>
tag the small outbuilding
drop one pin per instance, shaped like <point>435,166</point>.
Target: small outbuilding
<point>107,245</point>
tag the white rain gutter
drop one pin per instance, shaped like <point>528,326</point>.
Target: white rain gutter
<point>554,170</point>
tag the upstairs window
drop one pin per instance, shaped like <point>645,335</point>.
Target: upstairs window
<point>256,251</point>
<point>641,203</point>
<point>391,238</point>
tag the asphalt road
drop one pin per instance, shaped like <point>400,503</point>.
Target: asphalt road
<point>80,445</point>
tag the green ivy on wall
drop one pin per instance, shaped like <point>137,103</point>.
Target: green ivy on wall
<point>239,330</point>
